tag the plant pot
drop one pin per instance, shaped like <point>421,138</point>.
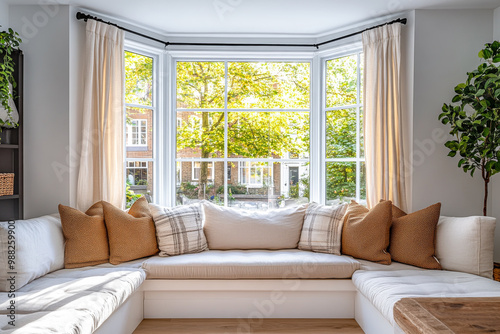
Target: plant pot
<point>7,136</point>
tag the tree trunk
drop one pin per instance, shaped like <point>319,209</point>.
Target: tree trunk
<point>485,207</point>
<point>205,153</point>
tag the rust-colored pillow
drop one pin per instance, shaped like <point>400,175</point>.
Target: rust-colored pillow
<point>86,237</point>
<point>365,234</point>
<point>413,237</point>
<point>131,235</point>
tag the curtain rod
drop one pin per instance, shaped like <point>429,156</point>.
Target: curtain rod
<point>85,17</point>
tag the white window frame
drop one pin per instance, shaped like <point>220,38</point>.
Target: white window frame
<point>326,56</point>
<point>194,167</point>
<point>226,57</point>
<point>137,123</point>
<point>165,110</point>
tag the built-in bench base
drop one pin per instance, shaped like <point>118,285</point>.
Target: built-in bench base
<point>248,300</point>
<point>127,317</point>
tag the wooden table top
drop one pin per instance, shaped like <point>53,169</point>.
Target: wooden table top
<point>448,315</point>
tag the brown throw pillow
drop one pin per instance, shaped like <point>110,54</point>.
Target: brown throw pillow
<point>86,237</point>
<point>131,235</point>
<point>365,234</point>
<point>413,237</point>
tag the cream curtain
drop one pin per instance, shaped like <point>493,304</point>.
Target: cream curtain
<point>384,141</point>
<point>101,175</point>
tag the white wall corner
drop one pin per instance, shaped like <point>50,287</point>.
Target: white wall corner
<point>496,24</point>
<point>4,15</point>
<point>45,33</point>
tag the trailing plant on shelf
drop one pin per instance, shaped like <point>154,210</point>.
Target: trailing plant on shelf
<point>9,41</point>
<point>474,118</point>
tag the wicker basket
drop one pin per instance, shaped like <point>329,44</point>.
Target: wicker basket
<point>6,184</point>
<point>496,272</point>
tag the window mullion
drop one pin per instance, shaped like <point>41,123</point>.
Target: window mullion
<point>358,101</point>
<point>317,137</point>
<point>226,199</point>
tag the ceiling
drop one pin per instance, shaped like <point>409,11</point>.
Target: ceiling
<point>309,18</point>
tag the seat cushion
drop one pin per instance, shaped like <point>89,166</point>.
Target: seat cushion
<point>70,300</point>
<point>250,264</point>
<point>384,288</point>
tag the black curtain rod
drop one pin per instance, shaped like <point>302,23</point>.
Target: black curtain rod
<point>85,17</point>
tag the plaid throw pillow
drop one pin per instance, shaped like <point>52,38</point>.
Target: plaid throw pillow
<point>179,230</point>
<point>322,229</point>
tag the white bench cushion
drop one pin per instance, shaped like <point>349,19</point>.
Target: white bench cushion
<point>70,300</point>
<point>251,264</point>
<point>384,288</point>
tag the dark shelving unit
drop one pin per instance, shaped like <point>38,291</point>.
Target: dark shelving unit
<point>11,155</point>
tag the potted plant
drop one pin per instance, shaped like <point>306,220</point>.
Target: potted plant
<point>474,118</point>
<point>9,41</point>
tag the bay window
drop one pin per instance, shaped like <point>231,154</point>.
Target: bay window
<point>256,133</point>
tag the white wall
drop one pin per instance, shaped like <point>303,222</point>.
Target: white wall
<point>4,15</point>
<point>48,45</point>
<point>446,47</point>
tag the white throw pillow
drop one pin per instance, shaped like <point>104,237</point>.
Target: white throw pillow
<point>228,228</point>
<point>29,249</point>
<point>322,230</point>
<point>466,244</point>
<point>179,230</point>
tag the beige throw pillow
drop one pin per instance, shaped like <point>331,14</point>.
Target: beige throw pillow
<point>179,230</point>
<point>365,234</point>
<point>466,244</point>
<point>322,229</point>
<point>228,228</point>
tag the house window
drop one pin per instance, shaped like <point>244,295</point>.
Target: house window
<point>141,111</point>
<point>252,174</point>
<point>342,109</point>
<point>196,170</point>
<point>137,132</point>
<point>137,173</point>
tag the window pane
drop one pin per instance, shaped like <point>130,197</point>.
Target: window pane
<point>268,85</point>
<point>139,133</point>
<point>208,186</point>
<point>139,181</point>
<point>341,133</point>
<point>200,134</point>
<point>340,182</point>
<point>268,134</point>
<point>341,81</point>
<point>138,79</point>
<point>200,85</point>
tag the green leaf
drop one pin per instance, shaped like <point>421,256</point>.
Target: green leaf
<point>486,132</point>
<point>456,98</point>
<point>452,153</point>
<point>490,165</point>
<point>496,59</point>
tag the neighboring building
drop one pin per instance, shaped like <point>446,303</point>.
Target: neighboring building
<point>139,145</point>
